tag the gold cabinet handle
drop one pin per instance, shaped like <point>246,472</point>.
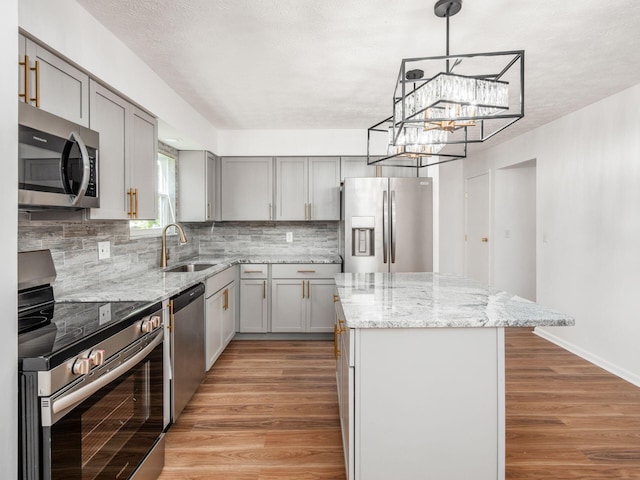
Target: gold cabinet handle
<point>25,66</point>
<point>336,298</point>
<point>130,197</point>
<point>485,239</point>
<point>336,350</point>
<point>253,271</point>
<point>308,289</point>
<point>264,289</point>
<point>302,288</point>
<point>135,193</point>
<point>306,271</point>
<point>170,316</point>
<point>36,69</point>
<point>226,299</point>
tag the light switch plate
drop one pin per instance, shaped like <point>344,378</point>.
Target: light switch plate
<point>289,237</point>
<point>104,250</point>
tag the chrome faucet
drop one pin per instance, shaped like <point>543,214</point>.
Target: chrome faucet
<point>183,239</point>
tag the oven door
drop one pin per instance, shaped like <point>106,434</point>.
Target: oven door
<point>106,428</point>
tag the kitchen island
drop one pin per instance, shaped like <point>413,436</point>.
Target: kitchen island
<point>420,372</point>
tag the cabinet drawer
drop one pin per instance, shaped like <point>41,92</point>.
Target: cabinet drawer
<point>220,280</point>
<point>250,270</point>
<point>305,270</point>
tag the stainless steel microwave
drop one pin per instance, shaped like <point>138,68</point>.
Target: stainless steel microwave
<point>57,161</point>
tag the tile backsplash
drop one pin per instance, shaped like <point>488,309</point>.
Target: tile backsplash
<point>74,245</point>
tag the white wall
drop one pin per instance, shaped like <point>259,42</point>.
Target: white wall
<point>89,44</point>
<point>588,225</point>
<point>9,218</point>
<point>514,239</point>
<point>233,143</point>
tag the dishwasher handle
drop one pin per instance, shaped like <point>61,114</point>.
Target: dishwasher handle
<point>186,297</point>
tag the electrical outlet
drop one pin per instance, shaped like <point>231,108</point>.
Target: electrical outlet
<point>105,313</point>
<point>289,237</point>
<point>104,250</point>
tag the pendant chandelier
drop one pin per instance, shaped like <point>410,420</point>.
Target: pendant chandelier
<point>441,104</point>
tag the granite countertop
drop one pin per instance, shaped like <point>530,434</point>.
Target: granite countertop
<point>157,284</point>
<point>410,300</point>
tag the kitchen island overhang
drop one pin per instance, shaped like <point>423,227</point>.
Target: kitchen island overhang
<point>421,371</point>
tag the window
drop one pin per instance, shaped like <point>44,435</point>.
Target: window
<point>166,200</point>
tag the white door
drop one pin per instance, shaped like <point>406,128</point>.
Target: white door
<point>477,228</point>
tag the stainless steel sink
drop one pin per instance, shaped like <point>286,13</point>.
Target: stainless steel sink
<point>190,267</point>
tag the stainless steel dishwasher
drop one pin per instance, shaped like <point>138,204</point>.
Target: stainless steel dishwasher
<point>187,346</point>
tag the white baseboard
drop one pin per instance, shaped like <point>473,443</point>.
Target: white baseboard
<point>590,357</point>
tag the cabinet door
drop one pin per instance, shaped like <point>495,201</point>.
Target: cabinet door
<point>63,89</point>
<point>355,167</point>
<point>324,188</point>
<point>110,116</point>
<point>320,311</point>
<point>197,186</point>
<point>253,306</point>
<point>213,328</point>
<point>229,314</point>
<point>288,305</point>
<point>143,163</point>
<point>291,188</point>
<point>247,188</point>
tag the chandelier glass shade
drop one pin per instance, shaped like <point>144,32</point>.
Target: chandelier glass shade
<point>443,103</point>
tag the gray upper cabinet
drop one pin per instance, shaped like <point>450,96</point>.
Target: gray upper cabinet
<point>307,188</point>
<point>196,179</point>
<point>247,188</point>
<point>52,83</point>
<point>356,167</point>
<point>127,157</point>
<point>292,188</point>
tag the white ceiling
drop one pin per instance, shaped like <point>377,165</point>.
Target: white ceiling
<point>307,64</point>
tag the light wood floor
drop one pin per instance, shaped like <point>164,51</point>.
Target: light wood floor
<point>268,410</point>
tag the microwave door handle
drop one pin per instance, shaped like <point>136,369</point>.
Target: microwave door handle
<point>86,168</point>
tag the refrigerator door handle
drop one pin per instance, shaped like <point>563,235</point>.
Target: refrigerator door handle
<point>385,225</point>
<point>393,226</point>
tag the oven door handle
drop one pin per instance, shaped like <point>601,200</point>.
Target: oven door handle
<point>61,406</point>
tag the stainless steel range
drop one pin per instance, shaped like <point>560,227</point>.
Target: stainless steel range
<point>91,383</point>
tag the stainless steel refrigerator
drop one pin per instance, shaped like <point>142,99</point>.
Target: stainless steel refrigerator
<point>387,225</point>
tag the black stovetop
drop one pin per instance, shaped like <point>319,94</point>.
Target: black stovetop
<point>74,327</point>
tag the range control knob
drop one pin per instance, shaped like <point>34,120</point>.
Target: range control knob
<point>146,326</point>
<point>156,321</point>
<point>97,357</point>
<point>81,366</point>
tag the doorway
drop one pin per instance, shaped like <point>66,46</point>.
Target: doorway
<point>477,226</point>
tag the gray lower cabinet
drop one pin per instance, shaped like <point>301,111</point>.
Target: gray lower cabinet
<point>302,297</point>
<point>254,298</point>
<point>220,313</point>
<point>58,86</point>
<point>247,188</point>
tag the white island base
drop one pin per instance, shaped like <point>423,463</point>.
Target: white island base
<point>426,404</point>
